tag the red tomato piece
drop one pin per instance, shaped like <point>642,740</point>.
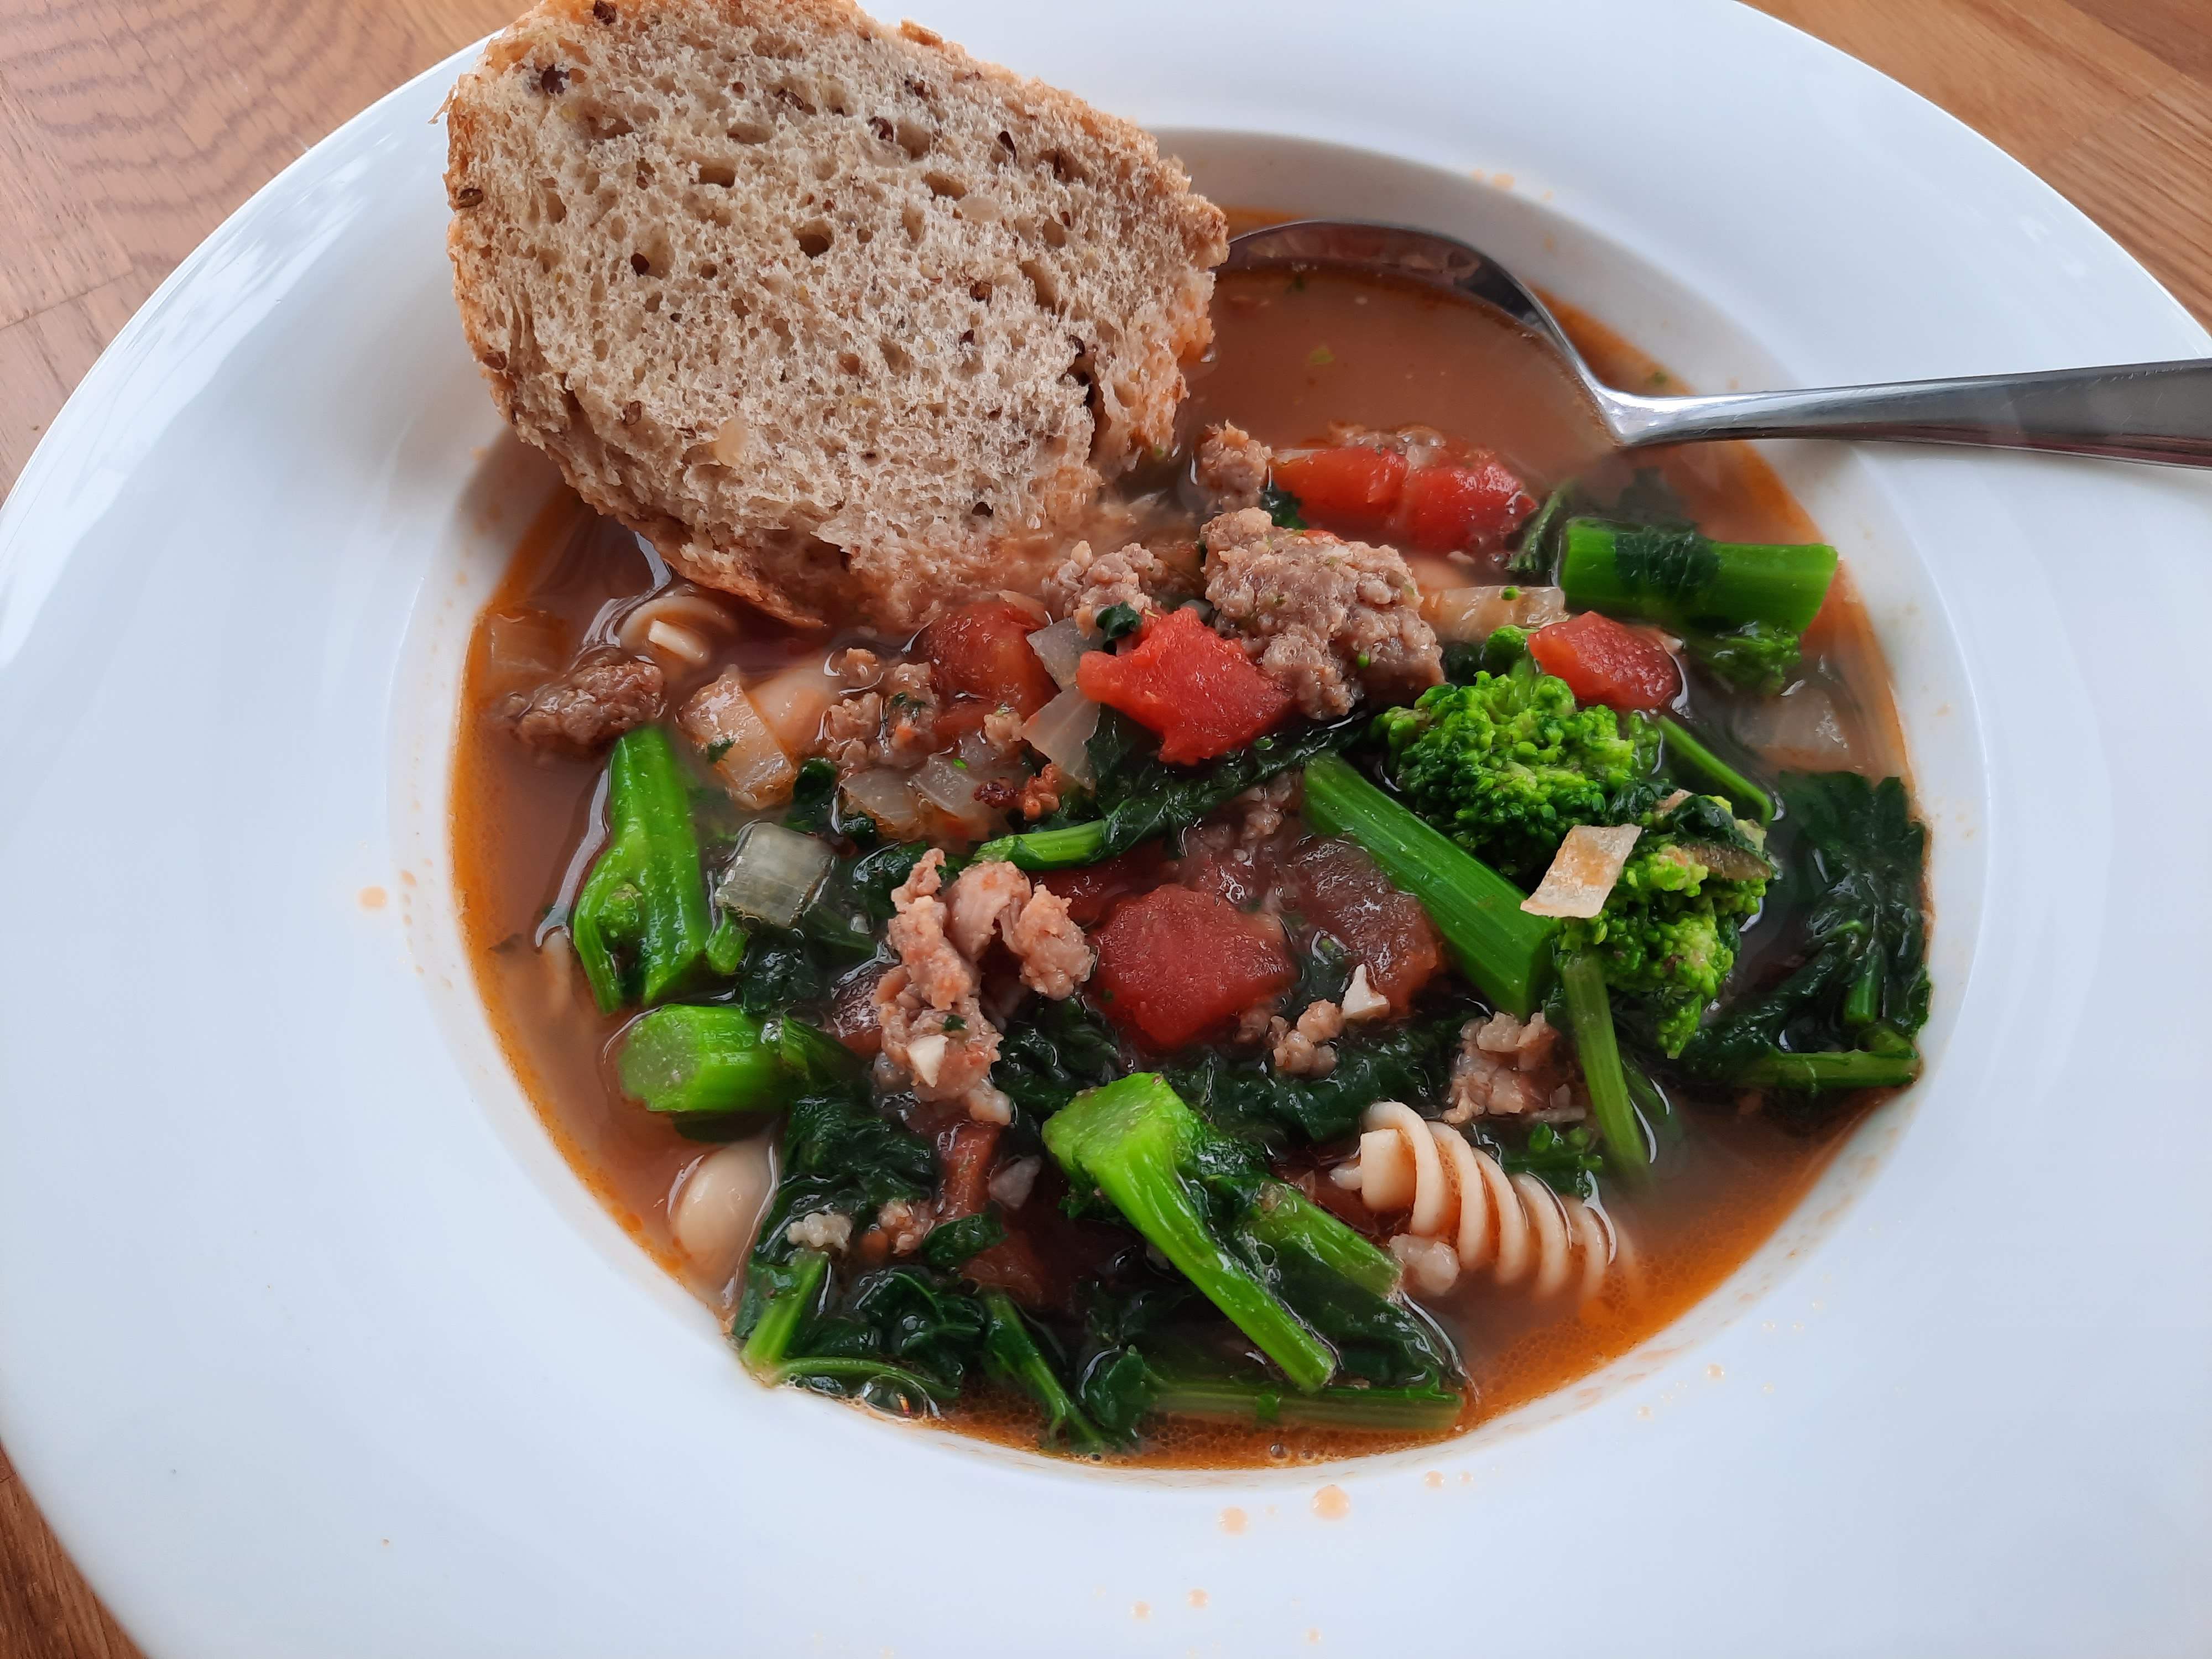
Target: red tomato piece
<point>1342,893</point>
<point>1014,1266</point>
<point>1093,890</point>
<point>1601,661</point>
<point>1185,682</point>
<point>1355,487</point>
<point>1174,965</point>
<point>963,1169</point>
<point>983,650</point>
<point>1447,509</point>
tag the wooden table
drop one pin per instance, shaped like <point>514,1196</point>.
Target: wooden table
<point>128,132</point>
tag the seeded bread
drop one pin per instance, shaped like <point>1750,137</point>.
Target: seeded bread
<point>835,315</point>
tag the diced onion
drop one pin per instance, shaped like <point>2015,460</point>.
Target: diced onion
<point>524,642</point>
<point>772,874</point>
<point>885,796</point>
<point>1061,731</point>
<point>1060,648</point>
<point>792,704</point>
<point>951,788</point>
<point>721,720</point>
<point>1584,871</point>
<point>1799,731</point>
<point>1471,615</point>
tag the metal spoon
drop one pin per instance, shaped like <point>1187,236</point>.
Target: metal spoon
<point>2136,411</point>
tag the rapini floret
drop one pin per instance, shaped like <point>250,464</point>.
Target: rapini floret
<point>1508,763</point>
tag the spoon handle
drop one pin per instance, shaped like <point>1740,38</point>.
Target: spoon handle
<point>2135,412</point>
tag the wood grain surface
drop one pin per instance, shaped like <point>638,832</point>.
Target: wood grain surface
<point>128,131</point>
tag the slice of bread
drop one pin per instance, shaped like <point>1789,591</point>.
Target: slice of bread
<point>837,316</point>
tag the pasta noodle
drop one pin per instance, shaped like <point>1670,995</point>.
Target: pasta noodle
<point>1473,1215</point>
<point>676,624</point>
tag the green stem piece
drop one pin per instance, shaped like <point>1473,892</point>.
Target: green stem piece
<point>787,1311</point>
<point>1012,1351</point>
<point>1687,580</point>
<point>1372,1410</point>
<point>696,1060</point>
<point>1589,1016</point>
<point>1071,848</point>
<point>642,923</point>
<point>1131,1141</point>
<point>1687,754</point>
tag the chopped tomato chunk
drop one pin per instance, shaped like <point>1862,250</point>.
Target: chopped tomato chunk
<point>1447,509</point>
<point>963,1167</point>
<point>1091,891</point>
<point>983,650</point>
<point>1354,487</point>
<point>1601,661</point>
<point>1174,963</point>
<point>1014,1266</point>
<point>1185,682</point>
<point>1342,893</point>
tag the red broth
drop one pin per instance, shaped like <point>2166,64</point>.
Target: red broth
<point>1291,354</point>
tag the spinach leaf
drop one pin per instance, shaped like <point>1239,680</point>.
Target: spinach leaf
<point>1845,1015</point>
<point>951,1244</point>
<point>1142,796</point>
<point>1246,1099</point>
<point>1053,1052</point>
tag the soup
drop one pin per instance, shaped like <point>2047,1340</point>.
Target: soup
<point>1405,911</point>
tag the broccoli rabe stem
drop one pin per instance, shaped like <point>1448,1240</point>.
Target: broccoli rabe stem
<point>1286,1217</point>
<point>640,923</point>
<point>695,1060</point>
<point>795,1287</point>
<point>1689,581</point>
<point>1012,1353</point>
<point>1130,1140</point>
<point>1845,1068</point>
<point>1687,754</point>
<point>1505,951</point>
<point>797,1290</point>
<point>1372,1411</point>
<point>1590,1015</point>
<point>1070,848</point>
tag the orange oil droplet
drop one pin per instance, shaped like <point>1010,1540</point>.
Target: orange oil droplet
<point>372,898</point>
<point>1332,1504</point>
<point>1232,1519</point>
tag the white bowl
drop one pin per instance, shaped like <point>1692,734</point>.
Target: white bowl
<point>310,1342</point>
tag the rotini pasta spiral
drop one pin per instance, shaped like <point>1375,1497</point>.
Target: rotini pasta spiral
<point>1465,1213</point>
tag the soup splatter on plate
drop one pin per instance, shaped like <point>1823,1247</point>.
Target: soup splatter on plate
<point>1407,908</point>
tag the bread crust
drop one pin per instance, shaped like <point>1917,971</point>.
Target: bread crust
<point>840,318</point>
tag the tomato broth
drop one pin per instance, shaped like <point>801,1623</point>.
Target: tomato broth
<point>1291,354</point>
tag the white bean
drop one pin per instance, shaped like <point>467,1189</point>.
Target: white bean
<point>719,1204</point>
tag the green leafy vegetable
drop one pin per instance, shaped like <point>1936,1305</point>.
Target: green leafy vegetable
<point>1282,507</point>
<point>1142,796</point>
<point>1307,1290</point>
<point>1668,933</point>
<point>1508,764</point>
<point>950,1245</point>
<point>1568,1163</point>
<point>1845,1015</point>
<point>1117,620</point>
<point>1411,1062</point>
<point>1014,1352</point>
<point>1052,1052</point>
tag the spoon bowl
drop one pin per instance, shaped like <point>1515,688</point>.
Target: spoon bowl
<point>2158,412</point>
